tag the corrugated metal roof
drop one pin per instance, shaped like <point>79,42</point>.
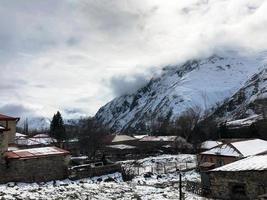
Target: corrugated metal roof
<point>239,148</point>
<point>253,163</point>
<point>209,144</point>
<point>35,152</point>
<point>108,139</point>
<point>5,117</point>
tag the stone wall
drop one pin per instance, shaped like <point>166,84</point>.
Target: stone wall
<point>34,169</point>
<point>3,144</point>
<point>80,172</point>
<point>12,132</point>
<point>238,185</point>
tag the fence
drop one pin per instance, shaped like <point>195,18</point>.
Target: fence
<point>158,168</point>
<point>193,187</point>
<point>85,171</point>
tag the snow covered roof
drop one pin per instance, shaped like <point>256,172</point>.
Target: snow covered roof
<point>244,122</point>
<point>12,148</point>
<point>34,141</point>
<point>209,144</point>
<point>35,152</point>
<point>158,138</point>
<point>42,135</point>
<point>120,138</point>
<point>121,146</point>
<point>251,147</point>
<point>44,140</point>
<point>139,136</point>
<point>240,148</point>
<point>20,135</point>
<point>253,163</point>
<point>5,117</point>
<point>117,138</point>
<point>223,150</point>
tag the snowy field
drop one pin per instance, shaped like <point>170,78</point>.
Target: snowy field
<point>161,164</point>
<point>155,186</point>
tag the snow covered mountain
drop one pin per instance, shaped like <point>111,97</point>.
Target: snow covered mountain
<point>205,83</point>
<point>250,101</point>
<point>36,123</point>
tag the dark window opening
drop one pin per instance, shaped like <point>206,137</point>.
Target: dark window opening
<point>238,191</point>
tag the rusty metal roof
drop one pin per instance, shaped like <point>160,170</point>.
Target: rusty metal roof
<point>35,153</point>
<point>5,117</point>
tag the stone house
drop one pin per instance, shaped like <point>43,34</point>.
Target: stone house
<point>243,179</point>
<point>9,123</point>
<point>229,152</point>
<point>28,165</point>
<point>35,165</point>
<point>151,144</point>
<point>120,151</point>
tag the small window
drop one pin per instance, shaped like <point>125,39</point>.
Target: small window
<point>238,191</point>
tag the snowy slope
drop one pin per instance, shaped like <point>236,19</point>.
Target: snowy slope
<point>36,123</point>
<point>197,82</point>
<point>247,103</point>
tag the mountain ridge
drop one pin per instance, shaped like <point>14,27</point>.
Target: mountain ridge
<point>204,82</point>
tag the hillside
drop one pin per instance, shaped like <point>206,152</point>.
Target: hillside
<point>250,101</point>
<point>205,83</point>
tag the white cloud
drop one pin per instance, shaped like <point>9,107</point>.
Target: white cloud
<point>60,54</point>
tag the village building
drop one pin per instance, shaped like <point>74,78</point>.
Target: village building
<point>72,145</point>
<point>229,152</point>
<point>35,165</point>
<point>118,147</point>
<point>40,140</point>
<point>243,128</point>
<point>167,144</point>
<point>28,165</point>
<point>119,139</point>
<point>9,124</point>
<point>243,179</point>
<point>209,144</point>
<point>121,151</point>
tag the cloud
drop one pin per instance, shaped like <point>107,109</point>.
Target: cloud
<point>122,85</point>
<point>16,110</point>
<point>55,53</point>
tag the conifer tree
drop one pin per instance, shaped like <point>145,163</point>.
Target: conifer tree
<point>26,127</point>
<point>57,127</point>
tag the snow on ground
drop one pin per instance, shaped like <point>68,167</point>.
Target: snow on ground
<point>161,164</point>
<point>154,186</point>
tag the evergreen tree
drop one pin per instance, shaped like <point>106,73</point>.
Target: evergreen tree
<point>26,127</point>
<point>57,127</point>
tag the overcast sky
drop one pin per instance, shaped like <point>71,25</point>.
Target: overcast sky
<point>76,55</point>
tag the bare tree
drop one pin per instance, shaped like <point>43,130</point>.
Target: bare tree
<point>186,123</point>
<point>91,137</point>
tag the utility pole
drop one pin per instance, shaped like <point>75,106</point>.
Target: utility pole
<point>180,186</point>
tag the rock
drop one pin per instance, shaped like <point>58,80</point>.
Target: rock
<point>109,179</point>
<point>99,180</point>
<point>148,175</point>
